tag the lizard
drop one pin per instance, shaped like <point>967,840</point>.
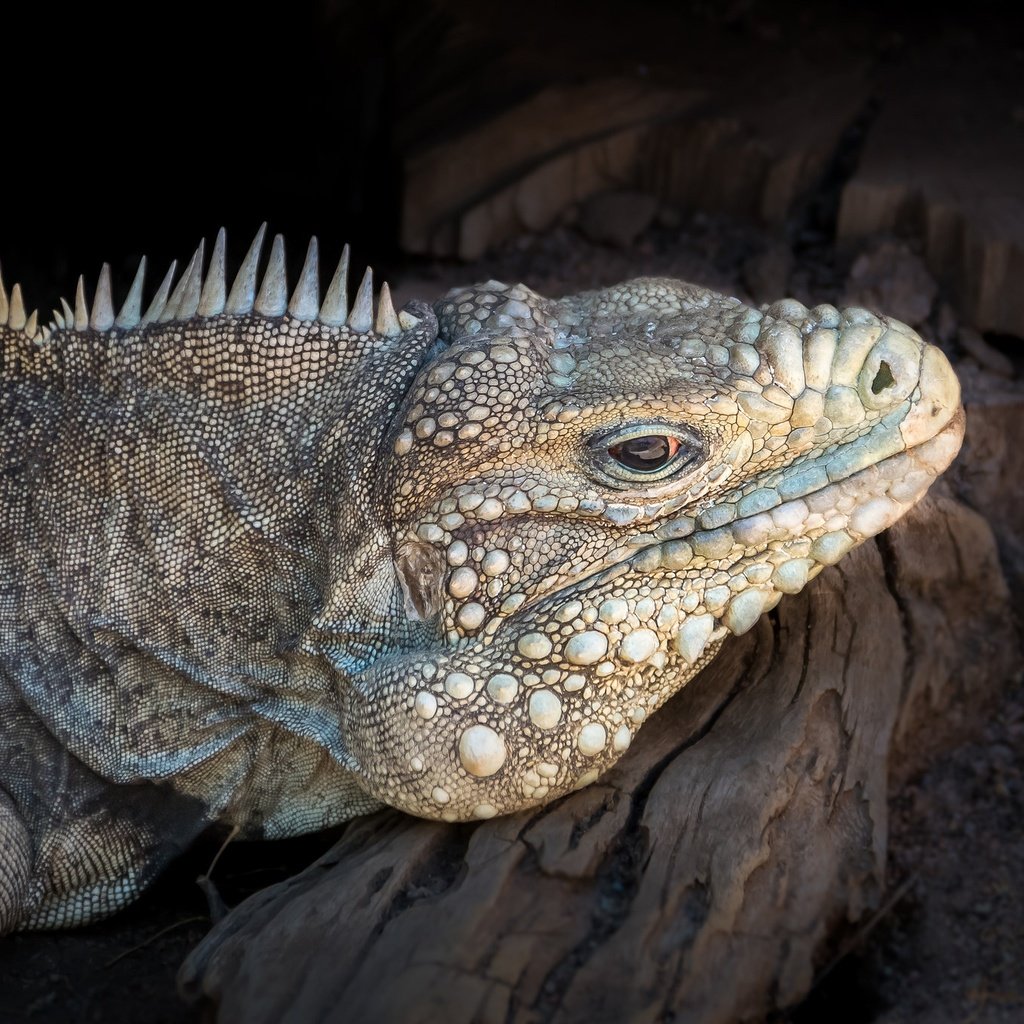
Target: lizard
<point>272,560</point>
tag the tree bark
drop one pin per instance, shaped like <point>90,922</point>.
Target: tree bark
<point>710,874</point>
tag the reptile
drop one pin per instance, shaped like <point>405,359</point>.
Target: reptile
<point>270,560</point>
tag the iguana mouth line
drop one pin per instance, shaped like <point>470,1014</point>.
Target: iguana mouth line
<point>903,489</point>
<point>827,534</point>
<point>802,482</point>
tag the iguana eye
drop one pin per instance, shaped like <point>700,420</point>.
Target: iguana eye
<point>645,453</point>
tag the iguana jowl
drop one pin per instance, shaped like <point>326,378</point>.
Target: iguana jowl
<point>272,563</point>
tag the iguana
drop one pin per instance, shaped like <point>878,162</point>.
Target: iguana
<point>273,562</point>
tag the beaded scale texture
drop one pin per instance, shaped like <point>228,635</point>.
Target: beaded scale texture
<point>272,562</point>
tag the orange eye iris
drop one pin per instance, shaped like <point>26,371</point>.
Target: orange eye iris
<point>645,454</point>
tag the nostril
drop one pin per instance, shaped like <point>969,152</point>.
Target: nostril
<point>890,372</point>
<point>883,378</point>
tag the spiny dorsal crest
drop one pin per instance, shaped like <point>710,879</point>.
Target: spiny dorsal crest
<point>12,311</point>
<point>197,297</point>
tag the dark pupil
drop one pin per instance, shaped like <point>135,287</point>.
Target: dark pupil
<point>645,454</point>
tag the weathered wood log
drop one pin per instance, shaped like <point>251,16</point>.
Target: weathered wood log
<point>523,168</point>
<point>913,177</point>
<point>507,131</point>
<point>519,169</point>
<point>689,111</point>
<point>707,877</point>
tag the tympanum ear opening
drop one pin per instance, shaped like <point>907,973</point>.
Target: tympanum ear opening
<point>420,570</point>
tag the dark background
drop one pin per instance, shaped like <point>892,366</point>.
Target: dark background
<point>143,131</point>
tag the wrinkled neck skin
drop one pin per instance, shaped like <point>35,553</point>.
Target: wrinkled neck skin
<point>361,617</point>
<point>544,600</point>
<point>195,515</point>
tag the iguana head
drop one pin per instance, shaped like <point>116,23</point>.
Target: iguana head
<point>589,494</point>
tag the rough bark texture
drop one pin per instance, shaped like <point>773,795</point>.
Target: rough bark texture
<point>523,169</point>
<point>911,178</point>
<point>711,874</point>
<point>526,167</point>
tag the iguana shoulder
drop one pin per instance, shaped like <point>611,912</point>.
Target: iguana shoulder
<point>188,493</point>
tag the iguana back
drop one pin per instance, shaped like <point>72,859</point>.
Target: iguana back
<point>182,494</point>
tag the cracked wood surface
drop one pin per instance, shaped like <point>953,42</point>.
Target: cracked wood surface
<point>707,877</point>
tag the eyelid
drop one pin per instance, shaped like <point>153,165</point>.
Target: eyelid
<point>677,432</point>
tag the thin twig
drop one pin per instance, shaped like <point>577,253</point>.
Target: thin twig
<point>867,928</point>
<point>223,846</point>
<point>214,900</point>
<point>153,938</point>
